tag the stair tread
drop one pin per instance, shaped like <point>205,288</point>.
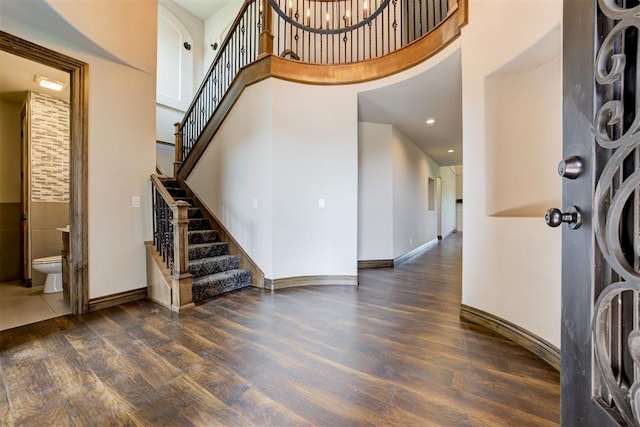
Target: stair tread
<point>199,281</point>
<point>212,265</point>
<point>216,284</point>
<point>204,245</point>
<point>207,250</point>
<point>211,258</point>
<point>199,224</point>
<point>191,232</point>
<point>194,212</point>
<point>202,236</point>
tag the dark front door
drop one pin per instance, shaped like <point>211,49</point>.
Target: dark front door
<point>601,189</point>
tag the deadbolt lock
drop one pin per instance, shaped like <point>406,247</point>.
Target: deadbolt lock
<point>570,168</point>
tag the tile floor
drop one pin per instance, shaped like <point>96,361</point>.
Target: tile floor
<point>21,306</point>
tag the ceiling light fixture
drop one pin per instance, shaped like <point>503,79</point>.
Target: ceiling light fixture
<point>47,83</point>
<point>450,151</point>
<point>431,121</point>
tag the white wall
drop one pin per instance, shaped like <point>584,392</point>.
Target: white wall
<point>283,160</point>
<point>9,152</point>
<point>188,67</point>
<point>522,124</point>
<point>315,156</point>
<point>286,145</point>
<point>215,29</point>
<point>165,156</point>
<point>375,192</point>
<point>414,224</point>
<point>195,26</point>
<point>234,176</point>
<point>121,130</point>
<point>511,266</point>
<point>459,181</point>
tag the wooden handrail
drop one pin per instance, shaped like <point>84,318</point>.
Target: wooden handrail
<point>157,183</point>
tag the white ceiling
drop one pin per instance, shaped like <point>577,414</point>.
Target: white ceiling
<point>16,78</point>
<point>202,8</point>
<point>436,93</point>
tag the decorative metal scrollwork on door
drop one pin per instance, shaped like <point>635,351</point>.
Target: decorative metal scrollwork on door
<point>616,214</point>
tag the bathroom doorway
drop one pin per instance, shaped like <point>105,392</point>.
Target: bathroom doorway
<point>77,206</point>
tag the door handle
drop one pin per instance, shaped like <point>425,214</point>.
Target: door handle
<point>554,217</point>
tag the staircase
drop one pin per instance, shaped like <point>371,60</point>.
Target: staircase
<point>214,271</point>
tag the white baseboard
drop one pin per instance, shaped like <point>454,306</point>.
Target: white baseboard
<point>416,251</point>
<point>448,233</point>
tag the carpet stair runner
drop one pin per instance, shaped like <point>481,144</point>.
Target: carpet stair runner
<point>214,271</point>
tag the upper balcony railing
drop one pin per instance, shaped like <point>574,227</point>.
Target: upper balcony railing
<point>346,31</point>
<point>317,41</point>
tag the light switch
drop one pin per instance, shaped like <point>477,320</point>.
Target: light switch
<point>321,203</point>
<point>135,202</point>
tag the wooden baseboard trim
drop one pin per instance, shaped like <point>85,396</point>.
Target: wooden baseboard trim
<point>289,282</point>
<point>376,263</point>
<point>117,299</point>
<point>416,251</point>
<point>538,346</point>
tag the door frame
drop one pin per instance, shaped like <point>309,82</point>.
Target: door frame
<point>78,212</point>
<point>25,196</point>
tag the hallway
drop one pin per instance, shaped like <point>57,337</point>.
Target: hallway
<point>392,351</point>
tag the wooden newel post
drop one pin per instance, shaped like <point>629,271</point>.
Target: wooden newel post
<point>265,41</point>
<point>178,158</point>
<point>181,296</point>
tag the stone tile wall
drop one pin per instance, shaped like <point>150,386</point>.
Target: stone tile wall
<point>50,171</point>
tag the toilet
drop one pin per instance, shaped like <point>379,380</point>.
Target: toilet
<point>52,267</point>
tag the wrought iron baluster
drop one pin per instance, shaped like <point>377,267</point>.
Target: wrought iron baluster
<point>616,332</point>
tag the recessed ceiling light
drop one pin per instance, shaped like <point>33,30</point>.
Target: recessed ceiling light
<point>450,151</point>
<point>47,83</point>
<point>431,121</point>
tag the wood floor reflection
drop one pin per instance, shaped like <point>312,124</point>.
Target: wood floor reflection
<point>392,351</point>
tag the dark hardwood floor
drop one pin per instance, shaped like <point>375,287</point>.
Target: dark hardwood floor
<point>392,351</point>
